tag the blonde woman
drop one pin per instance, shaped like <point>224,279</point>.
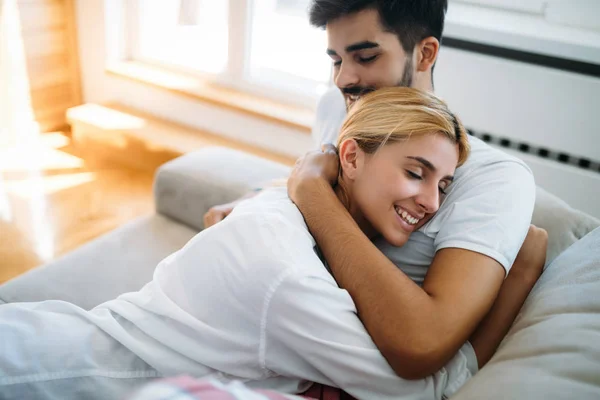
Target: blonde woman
<point>249,299</point>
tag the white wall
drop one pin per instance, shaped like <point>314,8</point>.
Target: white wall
<point>540,106</point>
<point>536,105</point>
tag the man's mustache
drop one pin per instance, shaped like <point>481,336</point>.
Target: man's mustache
<point>357,90</point>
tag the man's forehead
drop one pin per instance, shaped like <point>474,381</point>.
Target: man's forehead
<point>360,27</point>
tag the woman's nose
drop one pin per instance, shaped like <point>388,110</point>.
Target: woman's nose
<point>429,200</point>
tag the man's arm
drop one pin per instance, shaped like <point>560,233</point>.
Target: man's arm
<point>417,329</point>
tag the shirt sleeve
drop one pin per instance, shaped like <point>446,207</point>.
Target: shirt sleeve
<point>489,212</point>
<point>312,332</point>
<point>330,114</point>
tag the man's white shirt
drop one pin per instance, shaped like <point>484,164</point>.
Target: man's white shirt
<point>487,210</point>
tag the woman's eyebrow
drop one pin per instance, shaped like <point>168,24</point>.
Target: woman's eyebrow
<point>429,165</point>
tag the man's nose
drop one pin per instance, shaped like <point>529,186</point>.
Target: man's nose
<point>347,76</point>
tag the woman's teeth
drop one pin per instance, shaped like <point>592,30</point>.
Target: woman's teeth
<point>406,216</point>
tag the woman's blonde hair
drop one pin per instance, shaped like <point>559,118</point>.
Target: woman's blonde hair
<point>396,114</point>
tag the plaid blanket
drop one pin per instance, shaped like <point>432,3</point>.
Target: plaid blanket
<point>187,388</point>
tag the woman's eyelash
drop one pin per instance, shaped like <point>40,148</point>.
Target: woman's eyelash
<point>416,176</point>
<point>413,175</point>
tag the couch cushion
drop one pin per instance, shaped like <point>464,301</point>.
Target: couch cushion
<point>564,224</point>
<point>188,186</point>
<point>118,262</point>
<point>553,349</point>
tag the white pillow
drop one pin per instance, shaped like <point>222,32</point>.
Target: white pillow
<point>553,349</point>
<point>564,224</point>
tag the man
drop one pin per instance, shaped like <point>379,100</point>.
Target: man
<point>461,255</point>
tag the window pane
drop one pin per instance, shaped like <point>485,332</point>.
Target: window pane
<point>168,34</point>
<point>285,51</point>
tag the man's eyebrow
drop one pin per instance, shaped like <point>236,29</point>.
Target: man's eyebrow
<point>427,164</point>
<point>355,47</point>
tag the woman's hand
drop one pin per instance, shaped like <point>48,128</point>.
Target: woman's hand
<point>316,167</point>
<point>523,275</point>
<point>531,259</point>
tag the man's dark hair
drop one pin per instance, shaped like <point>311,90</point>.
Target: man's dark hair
<point>411,20</point>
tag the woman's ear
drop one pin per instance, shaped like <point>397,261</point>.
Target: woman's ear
<point>350,155</point>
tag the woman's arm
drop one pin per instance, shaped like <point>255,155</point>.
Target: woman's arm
<point>522,277</point>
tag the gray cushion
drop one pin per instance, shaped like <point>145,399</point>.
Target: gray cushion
<point>553,349</point>
<point>188,186</point>
<point>564,224</point>
<point>119,262</point>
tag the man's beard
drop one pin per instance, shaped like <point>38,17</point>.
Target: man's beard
<point>405,81</point>
<point>407,76</point>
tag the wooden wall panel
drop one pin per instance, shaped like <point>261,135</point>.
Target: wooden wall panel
<point>49,37</point>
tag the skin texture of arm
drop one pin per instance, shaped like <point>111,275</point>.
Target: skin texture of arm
<point>417,329</point>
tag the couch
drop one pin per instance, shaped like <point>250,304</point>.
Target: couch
<point>551,352</point>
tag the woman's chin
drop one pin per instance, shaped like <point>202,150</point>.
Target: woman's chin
<point>397,239</point>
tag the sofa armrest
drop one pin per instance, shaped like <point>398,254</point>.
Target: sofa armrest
<point>185,188</point>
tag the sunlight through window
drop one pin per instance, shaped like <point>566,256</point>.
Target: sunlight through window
<point>198,43</point>
<point>285,50</point>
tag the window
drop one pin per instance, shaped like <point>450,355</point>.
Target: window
<point>295,56</point>
<point>165,33</point>
<point>263,46</point>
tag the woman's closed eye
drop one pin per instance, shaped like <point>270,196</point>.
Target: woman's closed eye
<point>414,175</point>
<point>443,185</point>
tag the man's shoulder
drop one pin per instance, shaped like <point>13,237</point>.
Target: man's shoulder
<point>491,162</point>
<point>330,115</point>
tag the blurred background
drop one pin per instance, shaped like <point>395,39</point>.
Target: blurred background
<point>97,94</point>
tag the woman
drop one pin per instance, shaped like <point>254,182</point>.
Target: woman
<point>249,299</point>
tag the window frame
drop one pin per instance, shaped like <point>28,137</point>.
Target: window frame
<point>236,74</point>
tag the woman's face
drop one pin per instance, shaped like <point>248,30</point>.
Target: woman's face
<point>398,189</point>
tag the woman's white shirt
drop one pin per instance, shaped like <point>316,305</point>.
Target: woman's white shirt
<point>249,299</point>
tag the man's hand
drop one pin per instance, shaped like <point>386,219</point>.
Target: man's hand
<point>218,213</point>
<point>319,165</point>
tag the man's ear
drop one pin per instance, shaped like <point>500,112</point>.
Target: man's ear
<point>427,52</point>
<point>349,158</point>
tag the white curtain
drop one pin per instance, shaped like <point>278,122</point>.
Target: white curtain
<point>17,123</point>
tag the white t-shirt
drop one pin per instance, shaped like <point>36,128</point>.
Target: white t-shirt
<point>249,299</point>
<point>488,208</point>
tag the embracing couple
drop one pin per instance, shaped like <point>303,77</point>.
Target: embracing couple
<point>391,266</point>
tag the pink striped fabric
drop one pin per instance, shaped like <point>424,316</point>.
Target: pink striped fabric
<point>187,388</point>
